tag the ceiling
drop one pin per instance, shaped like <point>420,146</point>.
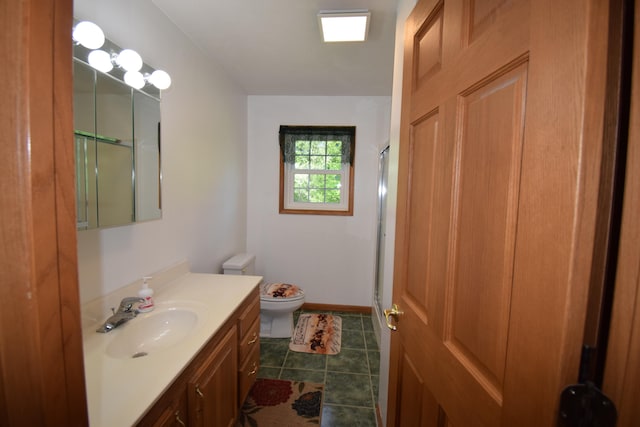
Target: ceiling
<point>274,47</point>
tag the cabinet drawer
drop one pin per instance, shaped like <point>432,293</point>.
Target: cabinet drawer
<point>248,373</point>
<point>248,316</point>
<point>249,341</point>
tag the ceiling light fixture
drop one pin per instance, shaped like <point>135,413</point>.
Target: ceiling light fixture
<point>344,26</point>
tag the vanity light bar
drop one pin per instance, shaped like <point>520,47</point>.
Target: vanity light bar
<point>90,36</point>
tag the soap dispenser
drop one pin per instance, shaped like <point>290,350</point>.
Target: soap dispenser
<point>146,293</point>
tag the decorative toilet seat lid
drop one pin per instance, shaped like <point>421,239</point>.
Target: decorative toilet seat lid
<point>281,291</point>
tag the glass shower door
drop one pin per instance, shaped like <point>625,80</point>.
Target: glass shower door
<point>383,175</point>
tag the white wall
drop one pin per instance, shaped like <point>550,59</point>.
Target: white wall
<point>204,133</point>
<point>404,9</point>
<point>331,257</point>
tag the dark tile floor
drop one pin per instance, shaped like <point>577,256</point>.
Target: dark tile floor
<point>350,378</point>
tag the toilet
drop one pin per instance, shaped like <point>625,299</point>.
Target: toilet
<point>278,301</point>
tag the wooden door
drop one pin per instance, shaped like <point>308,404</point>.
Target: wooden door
<point>498,176</point>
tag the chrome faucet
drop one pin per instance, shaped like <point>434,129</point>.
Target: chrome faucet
<point>124,314</point>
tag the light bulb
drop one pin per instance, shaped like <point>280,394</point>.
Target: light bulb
<point>130,60</point>
<point>160,79</point>
<point>88,35</point>
<point>135,79</point>
<point>100,60</point>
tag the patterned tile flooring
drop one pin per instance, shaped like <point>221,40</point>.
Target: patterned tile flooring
<point>350,377</point>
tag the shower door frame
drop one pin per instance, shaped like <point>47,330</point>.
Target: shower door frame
<point>383,181</point>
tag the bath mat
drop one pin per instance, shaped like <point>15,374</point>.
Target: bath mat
<point>317,333</point>
<point>277,403</point>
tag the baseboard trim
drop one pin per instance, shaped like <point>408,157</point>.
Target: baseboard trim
<point>336,307</point>
<point>379,416</point>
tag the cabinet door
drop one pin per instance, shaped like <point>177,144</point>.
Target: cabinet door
<point>172,417</point>
<point>213,390</point>
<point>247,374</point>
<point>170,410</point>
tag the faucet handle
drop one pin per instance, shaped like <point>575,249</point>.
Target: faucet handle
<point>127,303</point>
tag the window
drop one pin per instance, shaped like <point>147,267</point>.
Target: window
<point>316,169</point>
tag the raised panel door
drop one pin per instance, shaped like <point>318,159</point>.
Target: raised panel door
<point>495,214</point>
<point>212,392</point>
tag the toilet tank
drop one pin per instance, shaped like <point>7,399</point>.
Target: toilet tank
<point>240,264</point>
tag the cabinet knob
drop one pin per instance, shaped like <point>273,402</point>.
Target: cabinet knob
<point>255,338</point>
<point>199,392</point>
<point>178,420</point>
<point>253,370</point>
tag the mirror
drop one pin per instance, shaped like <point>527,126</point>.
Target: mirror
<point>146,124</point>
<point>117,144</point>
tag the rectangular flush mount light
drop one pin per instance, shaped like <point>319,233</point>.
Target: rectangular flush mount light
<point>345,25</point>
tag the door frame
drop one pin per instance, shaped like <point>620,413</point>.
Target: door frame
<point>402,12</point>
<point>622,366</point>
<point>42,373</point>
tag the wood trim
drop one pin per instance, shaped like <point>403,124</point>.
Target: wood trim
<point>612,167</point>
<point>336,307</point>
<point>66,221</point>
<point>42,376</point>
<point>378,415</point>
<point>622,369</point>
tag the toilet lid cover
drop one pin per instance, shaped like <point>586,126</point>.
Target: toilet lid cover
<point>280,290</point>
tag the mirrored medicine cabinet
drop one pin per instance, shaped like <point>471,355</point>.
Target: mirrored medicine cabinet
<point>117,147</point>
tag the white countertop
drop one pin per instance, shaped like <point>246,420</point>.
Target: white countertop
<point>120,390</point>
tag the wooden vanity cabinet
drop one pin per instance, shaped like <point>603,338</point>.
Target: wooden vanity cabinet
<point>213,386</point>
<point>205,394</point>
<point>248,347</point>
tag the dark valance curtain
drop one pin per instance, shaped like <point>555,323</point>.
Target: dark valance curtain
<point>290,134</point>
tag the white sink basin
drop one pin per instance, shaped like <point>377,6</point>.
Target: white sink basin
<point>152,332</point>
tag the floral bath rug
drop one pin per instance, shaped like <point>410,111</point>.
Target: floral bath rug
<point>277,403</point>
<point>317,333</point>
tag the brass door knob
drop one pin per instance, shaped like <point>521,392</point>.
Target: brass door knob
<point>394,311</point>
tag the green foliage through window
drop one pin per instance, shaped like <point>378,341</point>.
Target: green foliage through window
<point>317,186</point>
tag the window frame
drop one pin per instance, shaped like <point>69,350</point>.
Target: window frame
<point>287,179</point>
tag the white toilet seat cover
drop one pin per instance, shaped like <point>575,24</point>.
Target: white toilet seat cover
<point>281,291</point>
